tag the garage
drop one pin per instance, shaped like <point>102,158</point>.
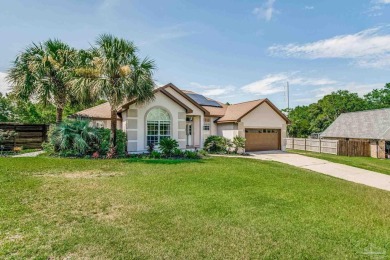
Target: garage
<point>262,139</point>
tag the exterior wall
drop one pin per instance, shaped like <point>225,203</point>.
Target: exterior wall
<point>265,117</point>
<point>106,123</point>
<point>136,122</point>
<point>198,124</point>
<point>374,149</point>
<point>213,129</point>
<point>225,128</point>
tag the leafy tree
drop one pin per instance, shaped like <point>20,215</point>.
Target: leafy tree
<point>6,114</point>
<point>331,106</point>
<point>379,98</point>
<point>111,70</point>
<point>318,116</point>
<point>300,121</point>
<point>42,72</point>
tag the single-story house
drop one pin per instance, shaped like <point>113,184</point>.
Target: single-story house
<point>370,125</point>
<point>190,118</point>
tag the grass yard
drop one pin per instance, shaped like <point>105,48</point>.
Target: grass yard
<point>368,163</point>
<point>215,208</point>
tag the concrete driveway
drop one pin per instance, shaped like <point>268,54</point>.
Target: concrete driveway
<point>342,171</point>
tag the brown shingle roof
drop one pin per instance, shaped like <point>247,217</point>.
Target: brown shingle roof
<point>226,113</point>
<point>216,111</point>
<point>236,111</point>
<point>102,111</point>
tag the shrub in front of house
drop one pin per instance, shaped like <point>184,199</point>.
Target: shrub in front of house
<point>167,146</point>
<point>76,138</point>
<point>220,144</point>
<point>239,144</point>
<point>215,144</point>
<point>103,146</point>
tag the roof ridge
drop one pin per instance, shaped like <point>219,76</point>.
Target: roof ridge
<point>87,109</point>
<point>260,99</point>
<point>368,110</point>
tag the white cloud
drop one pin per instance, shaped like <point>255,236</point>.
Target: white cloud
<point>368,48</point>
<point>360,89</point>
<point>4,85</point>
<point>213,90</point>
<point>275,83</point>
<point>376,7</point>
<point>266,11</point>
<point>383,1</point>
<point>309,7</point>
<point>169,33</point>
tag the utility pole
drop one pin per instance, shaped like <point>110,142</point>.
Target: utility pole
<point>288,96</point>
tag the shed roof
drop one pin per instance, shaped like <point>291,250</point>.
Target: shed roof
<point>370,124</point>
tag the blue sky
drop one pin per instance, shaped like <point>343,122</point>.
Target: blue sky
<point>229,50</point>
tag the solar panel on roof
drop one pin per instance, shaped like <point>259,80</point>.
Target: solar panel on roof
<point>203,101</point>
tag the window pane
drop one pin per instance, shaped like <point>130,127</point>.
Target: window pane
<point>158,125</point>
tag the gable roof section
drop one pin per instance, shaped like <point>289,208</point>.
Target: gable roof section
<point>170,85</point>
<point>102,111</point>
<point>371,124</point>
<point>163,90</point>
<point>234,113</point>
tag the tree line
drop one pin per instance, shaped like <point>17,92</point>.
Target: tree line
<point>316,117</point>
<point>53,78</point>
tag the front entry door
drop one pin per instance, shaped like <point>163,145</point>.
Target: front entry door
<point>189,131</point>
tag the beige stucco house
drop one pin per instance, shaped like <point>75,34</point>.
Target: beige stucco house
<point>190,118</point>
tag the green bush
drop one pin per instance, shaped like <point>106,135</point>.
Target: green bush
<point>178,153</point>
<point>77,138</point>
<point>216,144</point>
<point>239,143</point>
<point>167,146</point>
<point>203,152</point>
<point>103,146</point>
<point>155,155</point>
<point>73,138</point>
<point>191,154</point>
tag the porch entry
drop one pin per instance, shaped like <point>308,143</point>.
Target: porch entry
<point>190,131</point>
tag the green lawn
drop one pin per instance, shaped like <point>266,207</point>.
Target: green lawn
<point>219,208</point>
<point>368,163</point>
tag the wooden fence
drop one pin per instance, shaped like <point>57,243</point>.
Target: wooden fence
<point>313,145</point>
<point>354,148</point>
<point>29,136</point>
<point>337,147</point>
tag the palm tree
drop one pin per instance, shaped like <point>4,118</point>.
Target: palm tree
<point>111,70</point>
<point>41,72</point>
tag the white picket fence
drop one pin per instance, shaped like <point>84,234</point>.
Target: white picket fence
<point>313,145</point>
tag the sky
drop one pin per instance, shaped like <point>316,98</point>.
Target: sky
<point>232,51</point>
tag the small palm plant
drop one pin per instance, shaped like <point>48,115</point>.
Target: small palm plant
<point>74,137</point>
<point>168,146</point>
<point>239,143</point>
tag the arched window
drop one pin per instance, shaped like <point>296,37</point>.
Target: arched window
<point>158,125</point>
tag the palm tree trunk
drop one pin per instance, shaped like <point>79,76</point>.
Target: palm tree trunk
<point>113,129</point>
<point>59,113</point>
